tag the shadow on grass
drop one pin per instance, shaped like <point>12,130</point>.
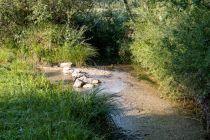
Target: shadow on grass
<point>53,115</point>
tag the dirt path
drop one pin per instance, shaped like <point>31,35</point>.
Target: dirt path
<point>142,113</point>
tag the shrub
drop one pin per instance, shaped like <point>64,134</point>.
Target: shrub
<point>172,42</point>
<point>38,28</point>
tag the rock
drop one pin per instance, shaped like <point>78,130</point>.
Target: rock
<point>84,79</point>
<point>77,75</point>
<point>71,71</point>
<point>88,86</point>
<point>78,83</point>
<point>69,64</point>
<point>89,80</point>
<point>77,70</point>
<point>67,70</point>
<point>95,81</point>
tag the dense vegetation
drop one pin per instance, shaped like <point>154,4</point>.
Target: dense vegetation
<point>107,31</point>
<point>42,30</point>
<point>172,42</point>
<point>48,30</point>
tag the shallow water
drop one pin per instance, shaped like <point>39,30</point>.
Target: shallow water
<point>141,113</point>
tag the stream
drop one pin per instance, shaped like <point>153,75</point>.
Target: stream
<point>141,113</point>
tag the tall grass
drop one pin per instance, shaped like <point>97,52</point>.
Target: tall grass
<point>51,43</point>
<point>32,108</point>
<point>78,55</point>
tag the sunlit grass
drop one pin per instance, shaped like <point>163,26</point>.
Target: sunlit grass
<point>32,108</point>
<point>78,55</point>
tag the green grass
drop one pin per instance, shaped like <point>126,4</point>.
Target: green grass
<point>78,55</point>
<point>53,44</point>
<point>32,108</point>
<point>6,55</point>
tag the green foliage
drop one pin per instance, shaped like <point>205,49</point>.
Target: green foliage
<point>32,108</point>
<point>41,30</point>
<point>6,55</point>
<point>172,42</point>
<point>61,18</point>
<point>107,31</point>
<point>55,43</point>
<point>22,12</point>
<point>18,14</point>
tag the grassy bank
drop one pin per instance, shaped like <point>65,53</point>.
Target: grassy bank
<point>32,108</point>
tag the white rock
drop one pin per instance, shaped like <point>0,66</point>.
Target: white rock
<point>69,64</point>
<point>88,86</point>
<point>89,80</point>
<point>95,81</point>
<point>84,79</point>
<point>78,83</point>
<point>77,70</point>
<point>76,74</point>
<point>67,70</point>
<point>71,71</point>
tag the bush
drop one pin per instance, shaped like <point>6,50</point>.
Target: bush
<point>39,28</point>
<point>15,15</point>
<point>172,42</point>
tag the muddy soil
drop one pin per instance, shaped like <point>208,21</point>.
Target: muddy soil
<point>141,113</point>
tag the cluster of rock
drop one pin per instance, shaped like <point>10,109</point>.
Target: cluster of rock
<point>81,79</point>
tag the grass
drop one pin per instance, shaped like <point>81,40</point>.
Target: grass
<point>53,44</point>
<point>6,55</point>
<point>32,108</point>
<point>78,55</point>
